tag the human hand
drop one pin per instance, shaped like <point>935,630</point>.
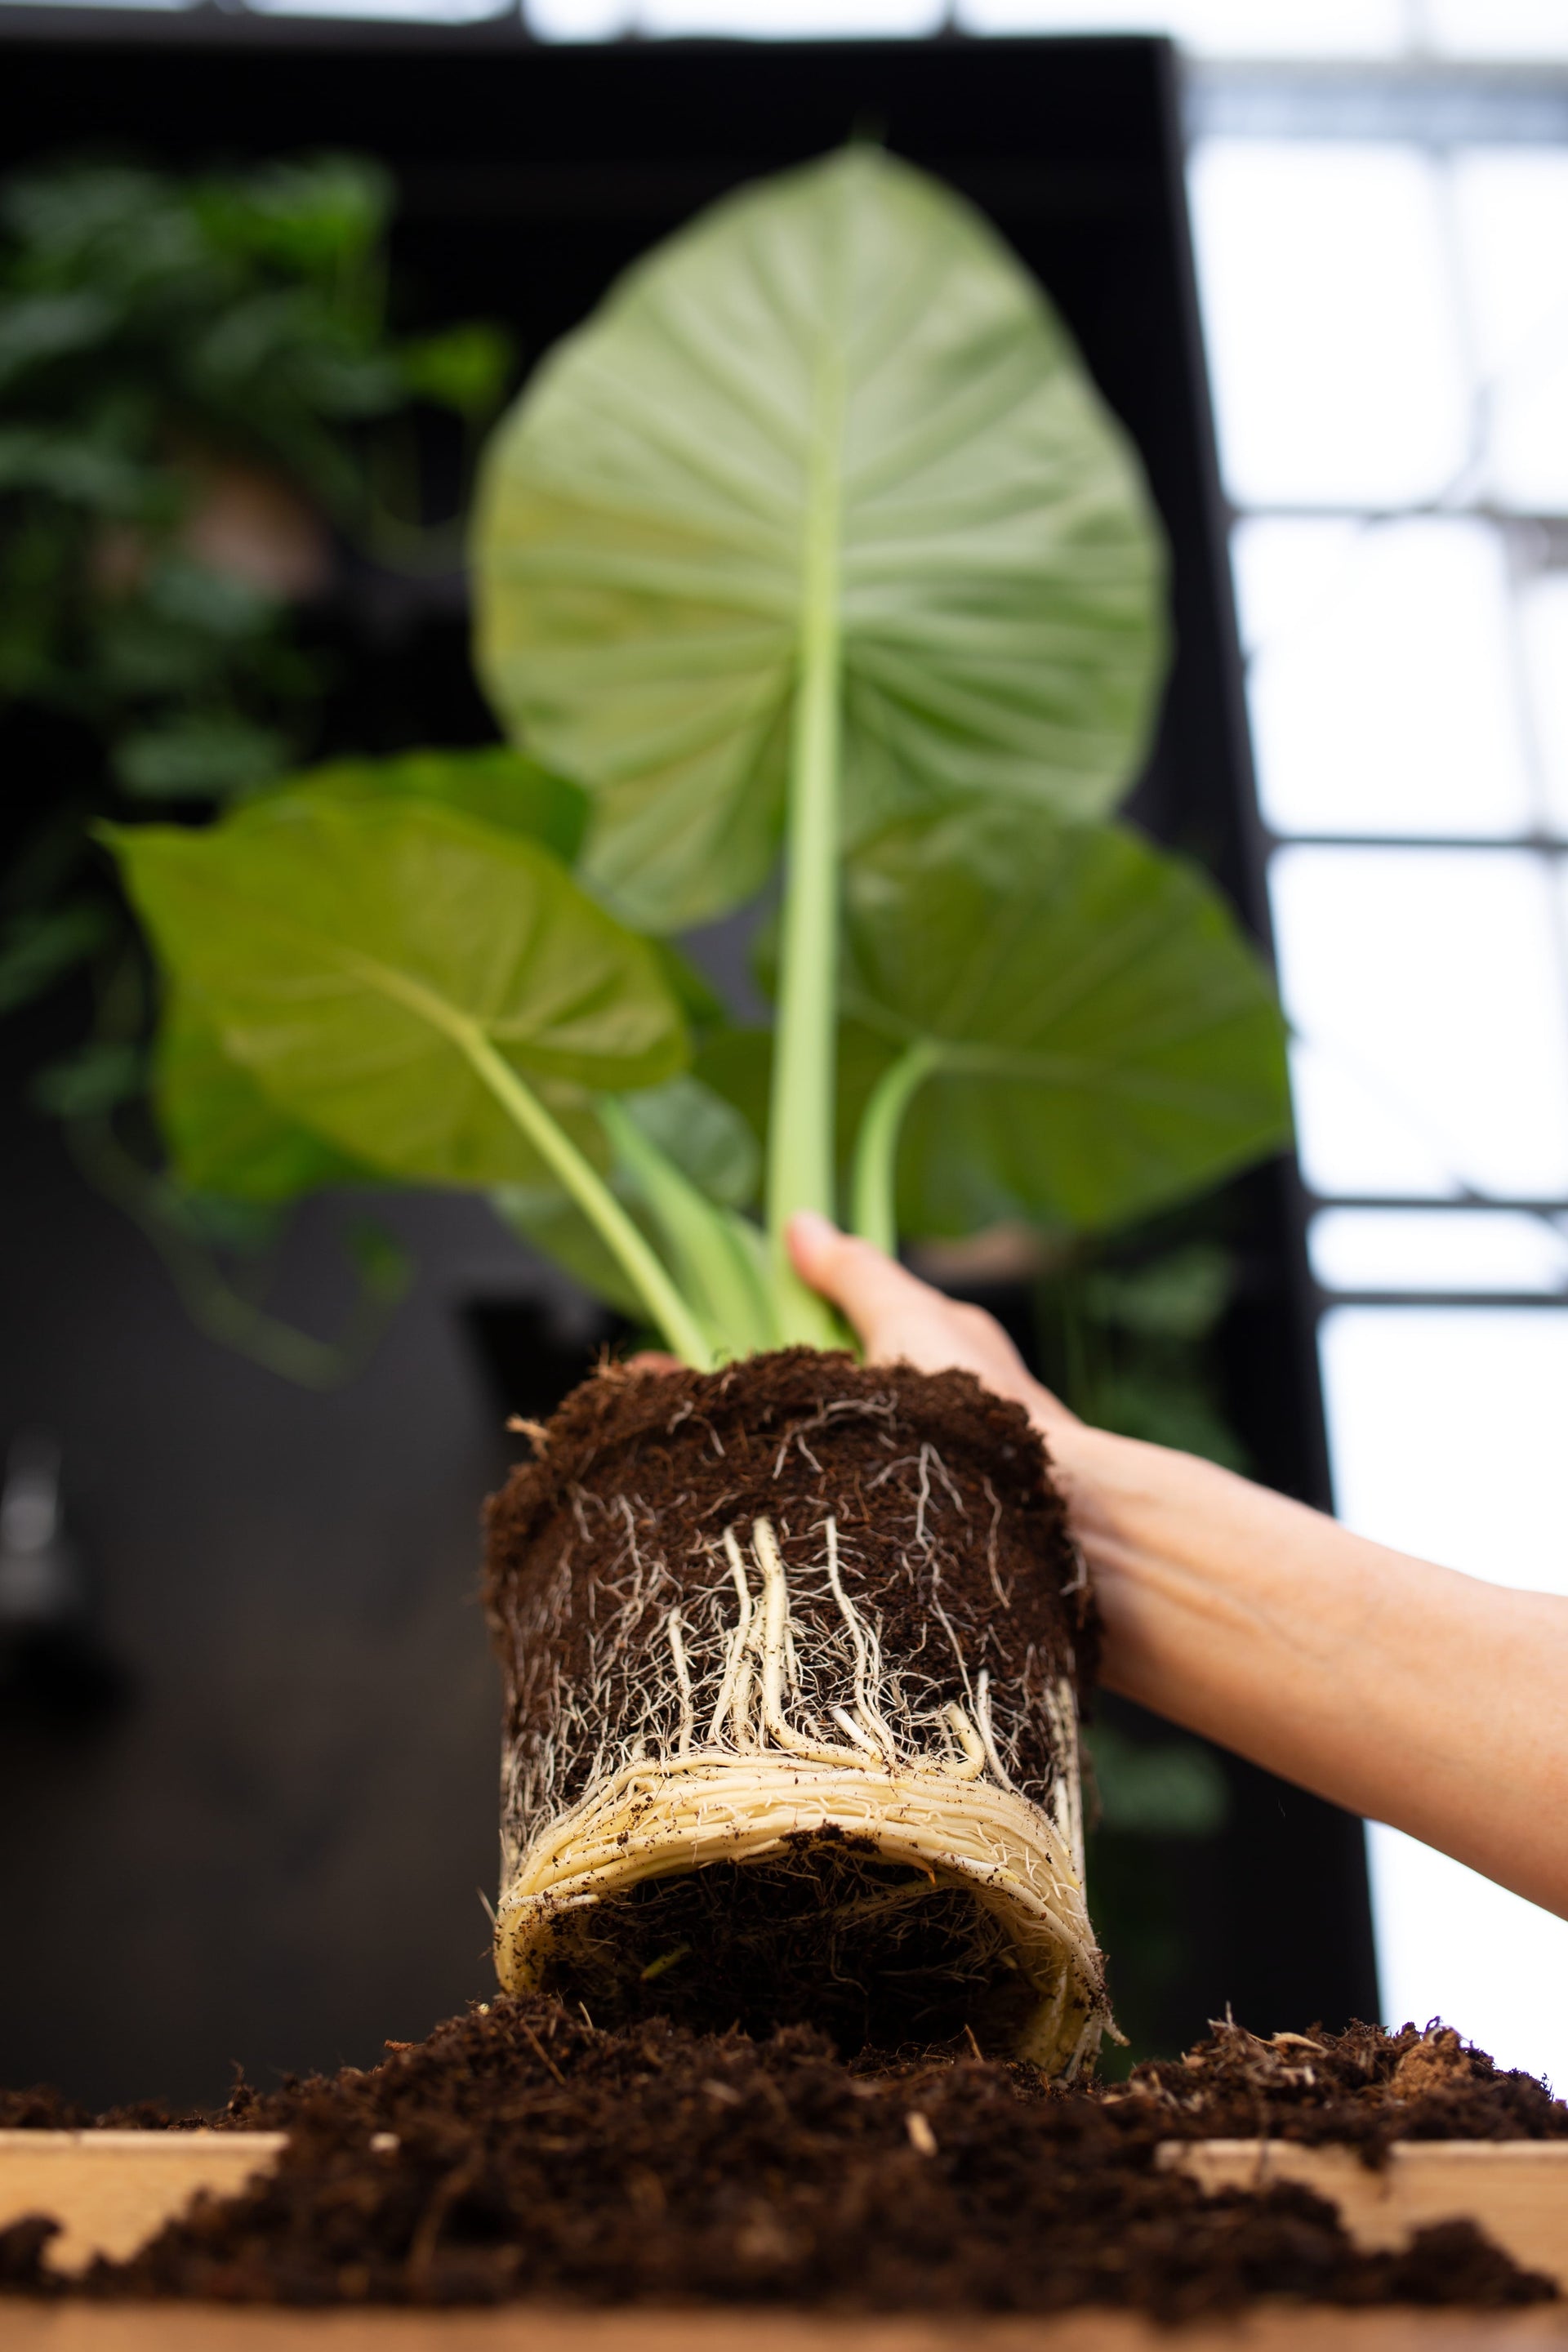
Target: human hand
<point>897,1316</point>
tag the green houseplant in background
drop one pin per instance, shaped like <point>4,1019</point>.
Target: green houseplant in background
<point>205,411</point>
<point>812,559</point>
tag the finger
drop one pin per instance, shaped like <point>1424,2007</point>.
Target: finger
<point>856,1278</point>
<point>652,1359</point>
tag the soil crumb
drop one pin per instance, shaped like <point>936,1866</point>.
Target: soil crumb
<point>521,2152</point>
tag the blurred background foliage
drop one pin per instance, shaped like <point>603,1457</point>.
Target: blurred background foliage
<point>210,422</point>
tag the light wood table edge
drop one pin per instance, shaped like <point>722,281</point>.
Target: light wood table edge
<point>1516,2190</point>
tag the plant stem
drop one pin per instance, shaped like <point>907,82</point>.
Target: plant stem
<point>716,1256</point>
<point>637,1258</point>
<point>874,1204</point>
<point>800,1172</point>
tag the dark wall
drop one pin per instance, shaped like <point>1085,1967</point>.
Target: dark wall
<point>271,1850</point>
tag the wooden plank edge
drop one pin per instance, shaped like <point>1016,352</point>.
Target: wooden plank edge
<point>112,2190</point>
<point>1515,2190</point>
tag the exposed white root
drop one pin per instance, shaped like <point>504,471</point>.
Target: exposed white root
<point>925,1779</point>
<point>683,1683</point>
<point>987,1734</point>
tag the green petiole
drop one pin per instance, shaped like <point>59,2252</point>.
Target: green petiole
<point>717,1256</point>
<point>874,1211</point>
<point>800,1173</point>
<point>665,1305</point>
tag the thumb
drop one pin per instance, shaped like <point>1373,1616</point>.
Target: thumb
<point>869,1288</point>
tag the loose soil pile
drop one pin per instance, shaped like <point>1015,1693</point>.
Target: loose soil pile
<point>519,2152</point>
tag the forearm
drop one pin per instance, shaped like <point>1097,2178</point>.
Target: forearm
<point>1396,1688</point>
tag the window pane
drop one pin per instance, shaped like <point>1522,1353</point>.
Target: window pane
<point>1543,622</point>
<point>1498,28</point>
<point>1512,211</point>
<point>1237,28</point>
<point>1381,690</point>
<point>1331,329</point>
<point>1437,1249</point>
<point>1395,1381</point>
<point>1351,1138</point>
<point>1449,1943</point>
<point>1429,982</point>
<point>1452,1945</point>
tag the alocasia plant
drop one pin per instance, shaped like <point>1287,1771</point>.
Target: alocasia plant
<point>815,543</point>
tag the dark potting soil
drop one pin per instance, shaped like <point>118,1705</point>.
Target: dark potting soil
<point>941,1491</point>
<point>519,2153</point>
<point>954,1544</point>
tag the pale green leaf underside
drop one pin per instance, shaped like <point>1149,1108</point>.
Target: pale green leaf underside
<point>640,527</point>
<point>346,951</point>
<point>1106,1040</point>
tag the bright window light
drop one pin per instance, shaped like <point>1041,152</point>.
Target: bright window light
<point>1288,572</point>
<point>1446,1433</point>
<point>792,19</point>
<point>1432,978</point>
<point>1239,29</point>
<point>1498,28</point>
<point>578,20</point>
<point>1543,626</point>
<point>1452,1945</point>
<point>1513,213</point>
<point>1350,1137</point>
<point>1449,1943</point>
<point>1331,324</point>
<point>1382,688</point>
<point>1452,1249</point>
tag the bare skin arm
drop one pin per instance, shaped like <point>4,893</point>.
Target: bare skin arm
<point>1399,1690</point>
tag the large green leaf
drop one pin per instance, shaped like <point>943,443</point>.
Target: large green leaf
<point>223,1134</point>
<point>360,960</point>
<point>1100,1038</point>
<point>841,375</point>
<point>494,785</point>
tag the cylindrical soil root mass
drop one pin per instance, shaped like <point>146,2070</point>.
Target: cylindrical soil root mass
<point>793,1656</point>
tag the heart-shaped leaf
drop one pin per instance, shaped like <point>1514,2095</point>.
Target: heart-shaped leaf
<point>225,1135</point>
<point>1079,1031</point>
<point>493,784</point>
<point>834,409</point>
<point>362,960</point>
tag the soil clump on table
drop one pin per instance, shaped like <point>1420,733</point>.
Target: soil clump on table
<point>519,2152</point>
